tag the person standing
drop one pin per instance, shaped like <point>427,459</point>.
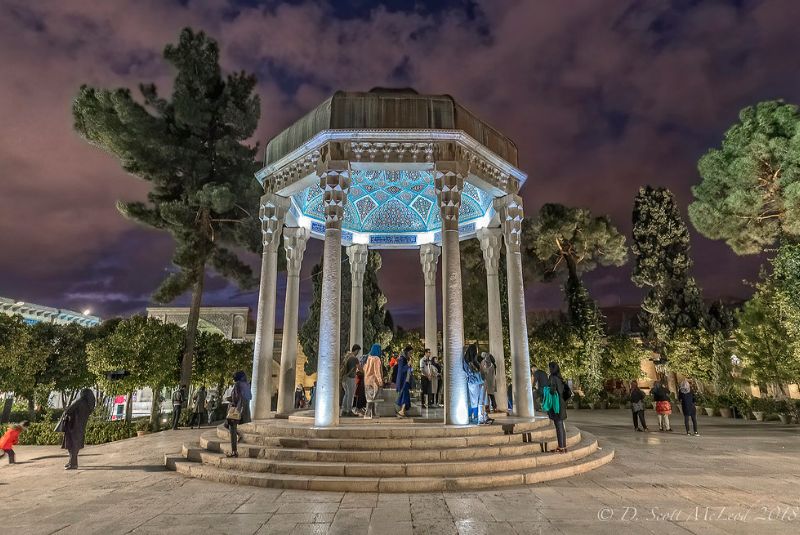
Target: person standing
<point>198,407</point>
<point>178,399</point>
<point>555,404</point>
<point>489,374</point>
<point>349,368</point>
<point>211,407</point>
<point>299,397</point>
<point>663,406</point>
<point>75,419</point>
<point>11,438</point>
<point>689,409</point>
<point>436,382</point>
<point>405,378</point>
<point>426,371</point>
<point>475,390</point>
<point>373,380</point>
<point>637,407</point>
<point>238,410</point>
<point>540,380</point>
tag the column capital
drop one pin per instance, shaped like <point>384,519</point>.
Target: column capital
<point>294,242</point>
<point>491,239</point>
<point>511,214</point>
<point>334,180</point>
<point>448,178</point>
<point>429,257</point>
<point>271,213</point>
<point>358,254</point>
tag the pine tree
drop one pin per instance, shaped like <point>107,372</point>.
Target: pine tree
<point>750,193</point>
<point>191,148</point>
<point>376,324</point>
<point>572,241</point>
<point>662,263</point>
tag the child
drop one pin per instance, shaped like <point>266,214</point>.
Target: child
<point>10,438</point>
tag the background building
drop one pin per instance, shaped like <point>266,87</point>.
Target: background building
<point>40,313</point>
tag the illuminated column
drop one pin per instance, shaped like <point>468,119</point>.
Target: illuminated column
<point>358,264</point>
<point>429,257</point>
<point>449,181</point>
<point>510,210</point>
<point>491,241</point>
<point>272,211</point>
<point>335,183</point>
<point>294,242</point>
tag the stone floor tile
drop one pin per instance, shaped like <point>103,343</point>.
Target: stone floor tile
<point>434,527</point>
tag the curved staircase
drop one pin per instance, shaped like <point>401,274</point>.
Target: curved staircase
<point>390,455</point>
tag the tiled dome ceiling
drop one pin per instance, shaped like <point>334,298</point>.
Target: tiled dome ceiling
<point>393,202</point>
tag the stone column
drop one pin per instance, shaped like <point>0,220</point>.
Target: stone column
<point>358,264</point>
<point>449,181</point>
<point>510,210</point>
<point>429,257</point>
<point>273,210</point>
<point>335,182</point>
<point>491,240</point>
<point>294,242</point>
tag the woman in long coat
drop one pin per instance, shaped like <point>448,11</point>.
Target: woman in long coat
<point>555,385</point>
<point>489,374</point>
<point>74,426</point>
<point>240,400</point>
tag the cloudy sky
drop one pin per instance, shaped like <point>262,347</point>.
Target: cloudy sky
<point>601,96</point>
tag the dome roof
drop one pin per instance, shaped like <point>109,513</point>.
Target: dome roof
<point>389,109</point>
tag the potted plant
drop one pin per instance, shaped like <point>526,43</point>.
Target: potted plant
<point>760,407</point>
<point>603,399</point>
<point>142,427</point>
<point>591,400</point>
<point>784,410</point>
<point>724,404</point>
<point>710,405</point>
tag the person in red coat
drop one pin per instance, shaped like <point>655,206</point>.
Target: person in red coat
<point>10,439</point>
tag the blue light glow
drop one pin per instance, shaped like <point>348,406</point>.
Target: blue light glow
<point>391,202</point>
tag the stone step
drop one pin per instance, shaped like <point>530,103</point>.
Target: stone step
<point>516,447</point>
<point>581,449</point>
<point>357,428</point>
<point>394,484</point>
<point>539,434</point>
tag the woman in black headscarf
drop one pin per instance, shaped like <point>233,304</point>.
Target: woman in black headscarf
<point>556,389</point>
<point>75,418</point>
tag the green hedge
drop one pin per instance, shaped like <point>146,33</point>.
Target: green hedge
<point>97,432</point>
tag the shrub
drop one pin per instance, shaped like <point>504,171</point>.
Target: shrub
<point>97,432</point>
<point>763,404</point>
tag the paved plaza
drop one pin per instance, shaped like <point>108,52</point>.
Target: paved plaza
<point>738,477</point>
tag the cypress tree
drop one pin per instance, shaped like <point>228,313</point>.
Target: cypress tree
<point>662,263</point>
<point>191,148</point>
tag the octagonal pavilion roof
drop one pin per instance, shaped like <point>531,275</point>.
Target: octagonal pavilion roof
<point>391,140</point>
<point>383,109</point>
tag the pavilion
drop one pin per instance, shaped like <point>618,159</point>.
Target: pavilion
<point>390,169</point>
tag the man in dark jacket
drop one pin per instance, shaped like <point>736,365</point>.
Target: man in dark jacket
<point>178,399</point>
<point>75,418</point>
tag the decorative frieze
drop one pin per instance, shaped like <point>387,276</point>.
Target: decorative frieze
<point>511,214</point>
<point>271,214</point>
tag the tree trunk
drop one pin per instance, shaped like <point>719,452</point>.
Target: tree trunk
<point>155,408</point>
<point>129,407</point>
<point>31,410</point>
<point>191,331</point>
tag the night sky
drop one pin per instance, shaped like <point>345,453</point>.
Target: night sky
<point>601,96</point>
